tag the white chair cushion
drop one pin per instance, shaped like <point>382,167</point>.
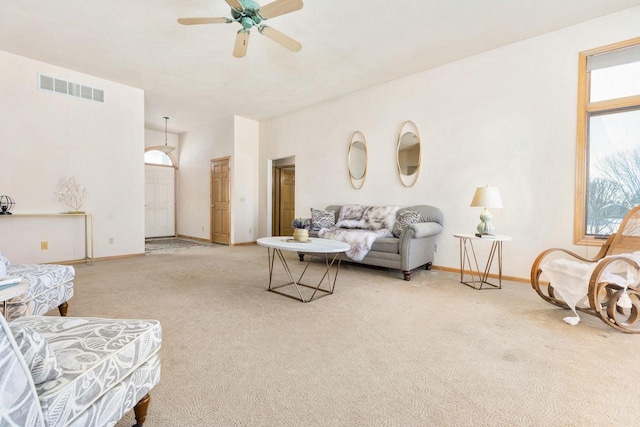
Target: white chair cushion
<point>42,277</point>
<point>94,356</point>
<point>49,286</point>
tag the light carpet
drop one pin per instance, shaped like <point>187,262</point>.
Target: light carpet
<point>378,352</point>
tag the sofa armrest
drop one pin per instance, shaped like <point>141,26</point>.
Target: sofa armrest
<point>425,229</point>
<point>429,213</point>
<point>416,251</point>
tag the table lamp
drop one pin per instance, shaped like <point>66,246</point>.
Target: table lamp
<point>486,197</point>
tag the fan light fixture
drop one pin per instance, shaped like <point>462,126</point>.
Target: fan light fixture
<point>166,149</point>
<point>249,14</point>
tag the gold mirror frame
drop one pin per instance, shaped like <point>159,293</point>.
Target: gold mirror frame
<point>408,140</point>
<point>357,181</point>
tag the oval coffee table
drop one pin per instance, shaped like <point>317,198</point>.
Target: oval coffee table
<point>331,250</point>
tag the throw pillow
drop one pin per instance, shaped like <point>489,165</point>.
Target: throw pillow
<point>322,219</point>
<point>40,358</point>
<point>405,219</point>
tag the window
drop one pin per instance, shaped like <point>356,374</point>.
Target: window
<point>608,155</point>
<point>157,157</point>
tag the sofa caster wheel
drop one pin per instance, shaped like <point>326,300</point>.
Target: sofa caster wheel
<point>427,266</point>
<point>407,275</point>
<point>301,256</point>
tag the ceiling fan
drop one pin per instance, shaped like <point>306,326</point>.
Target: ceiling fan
<point>249,14</point>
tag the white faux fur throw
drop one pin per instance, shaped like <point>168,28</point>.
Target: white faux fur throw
<point>367,217</point>
<point>359,240</point>
<point>570,279</point>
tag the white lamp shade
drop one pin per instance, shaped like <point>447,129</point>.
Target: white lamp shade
<point>166,149</point>
<point>486,197</point>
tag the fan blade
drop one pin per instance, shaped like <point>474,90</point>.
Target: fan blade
<point>280,38</point>
<point>242,42</point>
<point>279,7</point>
<point>197,21</point>
<point>235,4</point>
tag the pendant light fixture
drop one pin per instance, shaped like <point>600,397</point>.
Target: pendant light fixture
<point>166,149</point>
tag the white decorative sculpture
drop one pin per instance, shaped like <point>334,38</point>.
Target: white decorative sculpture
<point>71,193</point>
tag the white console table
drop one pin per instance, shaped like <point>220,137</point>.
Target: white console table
<point>88,228</point>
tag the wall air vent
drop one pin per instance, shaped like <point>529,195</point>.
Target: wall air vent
<point>51,84</point>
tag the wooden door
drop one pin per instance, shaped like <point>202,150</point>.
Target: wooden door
<point>284,205</point>
<point>287,201</point>
<point>220,196</point>
<point>159,201</point>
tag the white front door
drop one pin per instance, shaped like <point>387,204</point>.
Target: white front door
<point>159,201</point>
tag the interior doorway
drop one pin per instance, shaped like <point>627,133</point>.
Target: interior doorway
<point>220,197</point>
<point>159,204</point>
<point>284,199</point>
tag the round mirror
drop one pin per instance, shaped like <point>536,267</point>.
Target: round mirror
<point>357,160</point>
<point>408,154</point>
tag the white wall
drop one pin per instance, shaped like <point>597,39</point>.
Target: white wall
<point>46,137</point>
<point>197,148</point>
<point>244,204</point>
<point>505,118</point>
<point>236,137</point>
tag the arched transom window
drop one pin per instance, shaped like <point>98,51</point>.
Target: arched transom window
<point>157,157</point>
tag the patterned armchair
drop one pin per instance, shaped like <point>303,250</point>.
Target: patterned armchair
<point>58,371</point>
<point>50,286</point>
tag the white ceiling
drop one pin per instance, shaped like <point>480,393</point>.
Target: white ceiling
<point>189,74</point>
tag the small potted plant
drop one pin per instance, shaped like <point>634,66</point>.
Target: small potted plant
<point>300,229</point>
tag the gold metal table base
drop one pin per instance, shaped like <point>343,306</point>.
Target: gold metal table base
<point>318,292</point>
<point>478,279</point>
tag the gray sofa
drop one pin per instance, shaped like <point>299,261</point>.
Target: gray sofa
<point>414,248</point>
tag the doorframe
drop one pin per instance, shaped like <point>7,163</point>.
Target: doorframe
<point>275,200</point>
<point>175,168</point>
<point>269,190</point>
<point>211,200</point>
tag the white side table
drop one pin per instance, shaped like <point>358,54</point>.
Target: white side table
<point>11,292</point>
<point>467,250</point>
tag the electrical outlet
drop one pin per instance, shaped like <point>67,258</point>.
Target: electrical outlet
<point>44,246</point>
<point>111,240</point>
<point>435,248</point>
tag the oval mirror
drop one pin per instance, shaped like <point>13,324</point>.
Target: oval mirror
<point>357,160</point>
<point>408,154</point>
